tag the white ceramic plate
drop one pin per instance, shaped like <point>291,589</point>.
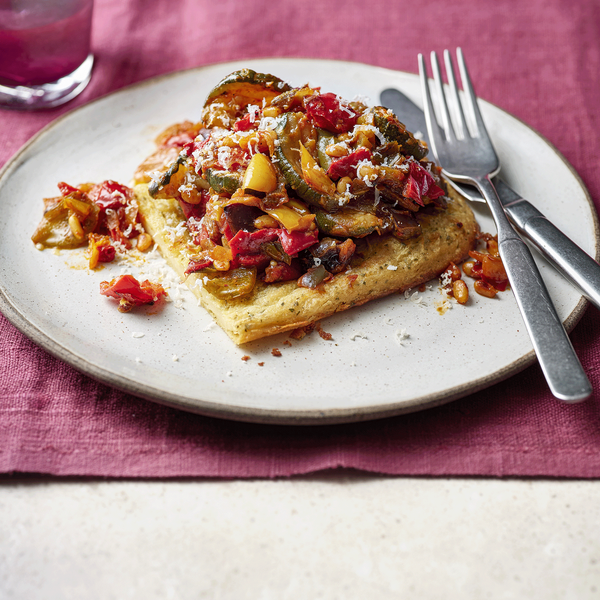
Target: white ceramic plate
<point>177,357</point>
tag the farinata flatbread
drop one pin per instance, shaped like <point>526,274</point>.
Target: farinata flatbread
<point>283,206</point>
<point>386,265</point>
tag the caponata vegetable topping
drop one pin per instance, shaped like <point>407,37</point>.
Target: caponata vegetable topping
<point>278,176</point>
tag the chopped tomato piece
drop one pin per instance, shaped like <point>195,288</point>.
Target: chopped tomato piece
<point>245,123</point>
<point>178,141</point>
<point>130,292</point>
<point>66,189</point>
<point>250,260</point>
<point>346,165</point>
<point>100,250</point>
<point>420,184</point>
<point>118,211</point>
<point>110,194</point>
<point>106,253</point>
<point>328,112</point>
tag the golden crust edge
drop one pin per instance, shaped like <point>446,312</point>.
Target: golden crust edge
<point>276,308</point>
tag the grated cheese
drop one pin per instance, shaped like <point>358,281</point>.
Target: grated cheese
<point>401,335</point>
<point>267,124</point>
<point>377,196</point>
<point>253,110</point>
<point>382,139</point>
<point>445,278</point>
<point>362,99</point>
<point>357,335</point>
<point>175,233</point>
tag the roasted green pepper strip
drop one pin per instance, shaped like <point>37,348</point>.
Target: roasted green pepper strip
<point>289,161</point>
<point>348,222</point>
<point>227,285</point>
<point>223,181</point>
<point>156,184</point>
<point>55,231</point>
<point>324,139</point>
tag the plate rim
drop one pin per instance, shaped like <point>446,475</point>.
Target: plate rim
<point>269,415</point>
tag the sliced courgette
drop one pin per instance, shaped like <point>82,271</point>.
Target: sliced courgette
<point>223,181</point>
<point>247,87</point>
<point>228,285</point>
<point>156,184</point>
<point>293,98</point>
<point>387,122</point>
<point>288,151</point>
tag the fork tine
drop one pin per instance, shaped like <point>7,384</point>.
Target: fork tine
<point>435,132</point>
<point>460,123</point>
<point>473,160</point>
<point>446,121</point>
<point>471,99</point>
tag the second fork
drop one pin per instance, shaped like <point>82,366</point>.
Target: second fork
<point>467,155</point>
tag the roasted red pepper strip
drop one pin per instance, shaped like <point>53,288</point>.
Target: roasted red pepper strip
<point>110,194</point>
<point>279,271</point>
<point>248,242</point>
<point>250,260</point>
<point>130,292</point>
<point>195,210</point>
<point>328,112</point>
<point>246,247</point>
<point>197,264</point>
<point>346,165</point>
<point>295,241</point>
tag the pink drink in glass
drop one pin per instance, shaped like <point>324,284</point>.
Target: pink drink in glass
<point>42,41</point>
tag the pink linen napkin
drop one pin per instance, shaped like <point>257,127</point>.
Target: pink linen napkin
<point>540,62</point>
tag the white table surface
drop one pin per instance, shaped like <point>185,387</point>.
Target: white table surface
<point>333,535</point>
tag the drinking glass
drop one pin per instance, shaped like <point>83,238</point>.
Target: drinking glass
<point>45,57</point>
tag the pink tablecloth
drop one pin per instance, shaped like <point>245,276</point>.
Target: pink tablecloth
<point>538,60</point>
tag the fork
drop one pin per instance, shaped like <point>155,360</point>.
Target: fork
<point>466,154</point>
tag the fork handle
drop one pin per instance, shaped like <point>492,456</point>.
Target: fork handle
<point>560,365</point>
